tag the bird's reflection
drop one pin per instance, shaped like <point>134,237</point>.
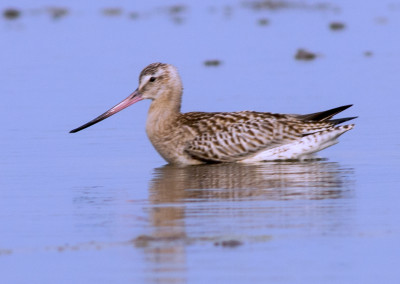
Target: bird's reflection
<point>186,201</point>
<point>273,181</point>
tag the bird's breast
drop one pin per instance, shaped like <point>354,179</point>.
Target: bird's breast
<point>170,141</point>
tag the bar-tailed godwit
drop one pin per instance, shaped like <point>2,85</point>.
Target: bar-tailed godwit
<point>209,137</point>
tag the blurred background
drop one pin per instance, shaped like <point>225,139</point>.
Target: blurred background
<point>101,206</point>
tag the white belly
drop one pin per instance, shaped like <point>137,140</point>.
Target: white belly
<point>301,149</point>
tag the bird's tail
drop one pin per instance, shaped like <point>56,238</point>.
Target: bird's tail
<point>327,115</point>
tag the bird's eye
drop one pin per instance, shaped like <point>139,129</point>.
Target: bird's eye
<point>152,79</point>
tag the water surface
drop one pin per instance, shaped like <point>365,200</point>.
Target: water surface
<point>101,205</point>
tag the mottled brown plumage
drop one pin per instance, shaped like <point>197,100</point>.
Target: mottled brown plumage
<point>246,136</point>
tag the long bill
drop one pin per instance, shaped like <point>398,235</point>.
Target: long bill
<point>130,100</point>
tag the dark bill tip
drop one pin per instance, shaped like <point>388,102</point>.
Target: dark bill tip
<point>133,98</point>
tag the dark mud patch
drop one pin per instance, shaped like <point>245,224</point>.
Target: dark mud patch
<point>212,63</point>
<point>112,12</point>
<point>305,55</point>
<point>147,240</point>
<point>57,12</point>
<point>11,13</point>
<point>263,22</point>
<point>368,53</point>
<point>169,239</point>
<point>134,15</point>
<point>337,26</point>
<point>229,243</point>
<point>177,13</point>
<point>282,5</point>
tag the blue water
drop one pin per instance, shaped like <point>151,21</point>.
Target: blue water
<point>101,206</point>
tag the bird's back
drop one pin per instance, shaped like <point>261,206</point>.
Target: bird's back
<point>239,136</point>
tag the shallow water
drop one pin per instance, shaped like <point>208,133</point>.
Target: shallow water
<point>101,205</point>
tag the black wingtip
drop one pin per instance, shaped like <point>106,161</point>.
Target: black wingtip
<point>324,115</point>
<point>342,108</point>
<point>341,120</point>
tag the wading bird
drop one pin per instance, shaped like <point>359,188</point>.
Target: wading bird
<point>210,137</point>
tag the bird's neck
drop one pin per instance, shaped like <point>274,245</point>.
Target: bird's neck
<point>163,111</point>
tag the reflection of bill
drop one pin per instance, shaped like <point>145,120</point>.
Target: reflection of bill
<point>274,181</point>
